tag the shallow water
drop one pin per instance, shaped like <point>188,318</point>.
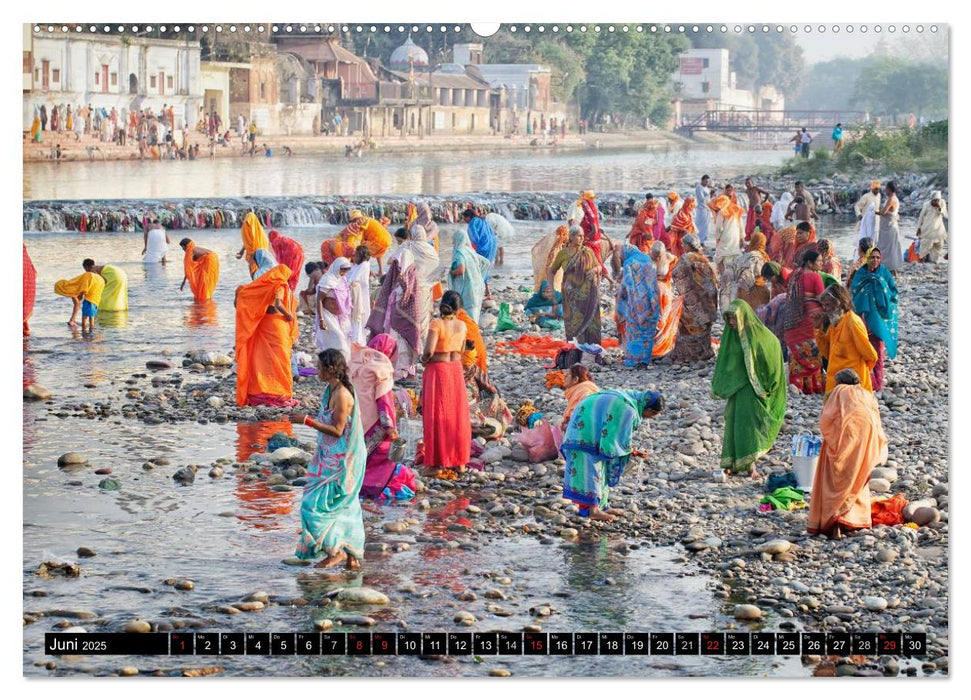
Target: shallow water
<point>214,530</point>
<point>392,173</point>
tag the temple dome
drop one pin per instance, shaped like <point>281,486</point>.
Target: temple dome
<point>407,55</point>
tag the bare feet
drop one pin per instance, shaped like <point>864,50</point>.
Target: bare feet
<point>333,560</point>
<point>370,508</point>
<point>597,514</point>
<point>353,562</point>
<point>72,324</point>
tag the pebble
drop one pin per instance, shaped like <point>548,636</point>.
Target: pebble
<point>184,585</point>
<point>185,475</point>
<point>500,672</point>
<point>886,556</point>
<point>71,459</point>
<point>464,618</point>
<point>363,596</point>
<point>356,620</point>
<point>109,485</point>
<point>569,533</point>
<point>35,392</point>
<point>128,671</point>
<point>137,626</point>
<point>158,364</point>
<point>250,606</point>
<point>258,596</point>
<point>86,552</point>
<point>879,486</point>
<point>747,612</point>
<point>875,603</point>
<point>324,625</point>
<point>925,516</point>
<point>775,547</point>
<point>103,471</point>
<point>884,473</point>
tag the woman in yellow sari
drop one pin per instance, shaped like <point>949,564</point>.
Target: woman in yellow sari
<point>254,239</point>
<point>581,289</point>
<point>266,330</point>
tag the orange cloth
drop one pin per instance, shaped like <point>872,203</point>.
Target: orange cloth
<point>264,341</point>
<point>782,248</point>
<point>889,511</point>
<point>556,377</point>
<point>88,285</point>
<point>575,394</point>
<point>642,231</point>
<point>666,334</point>
<point>727,206</point>
<point>202,274</point>
<point>473,333</point>
<point>846,346</point>
<point>376,238</point>
<point>254,238</point>
<point>544,345</point>
<point>853,443</point>
<point>447,342</point>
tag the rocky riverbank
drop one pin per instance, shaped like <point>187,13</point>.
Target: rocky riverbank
<point>769,571</point>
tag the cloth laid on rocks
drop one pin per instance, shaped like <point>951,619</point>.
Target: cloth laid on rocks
<point>785,498</point>
<point>778,481</point>
<point>889,511</point>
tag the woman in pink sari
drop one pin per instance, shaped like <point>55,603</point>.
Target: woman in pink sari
<point>372,374</point>
<point>287,252</point>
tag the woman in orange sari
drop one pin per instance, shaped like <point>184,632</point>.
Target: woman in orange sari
<point>667,323</point>
<point>853,444</point>
<point>641,234</point>
<point>829,262</point>
<point>683,224</point>
<point>266,330</point>
<point>254,239</point>
<point>201,270</point>
<point>472,332</point>
<point>805,241</point>
<point>783,247</point>
<point>747,273</point>
<point>842,338</point>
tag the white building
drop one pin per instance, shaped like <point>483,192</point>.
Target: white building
<point>124,72</point>
<point>705,82</point>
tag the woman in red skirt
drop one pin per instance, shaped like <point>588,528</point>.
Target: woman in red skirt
<point>446,426</point>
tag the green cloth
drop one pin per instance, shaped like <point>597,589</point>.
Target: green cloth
<point>751,374</point>
<point>785,498</point>
<point>829,280</point>
<point>505,323</point>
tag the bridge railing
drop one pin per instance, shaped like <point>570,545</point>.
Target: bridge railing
<point>754,120</point>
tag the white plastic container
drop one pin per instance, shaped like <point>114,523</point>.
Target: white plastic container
<point>805,471</point>
<point>410,430</point>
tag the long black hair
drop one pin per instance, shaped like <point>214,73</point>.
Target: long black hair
<point>333,360</point>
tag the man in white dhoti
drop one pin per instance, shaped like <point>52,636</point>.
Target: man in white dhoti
<point>870,201</point>
<point>931,233</point>
<point>702,213</point>
<point>359,281</point>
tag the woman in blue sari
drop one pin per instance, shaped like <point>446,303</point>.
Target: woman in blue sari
<point>545,312</point>
<point>875,301</point>
<point>467,274</point>
<point>264,261</point>
<point>597,445</point>
<point>331,520</point>
<point>638,307</point>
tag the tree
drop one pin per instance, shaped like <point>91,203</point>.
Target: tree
<point>891,85</point>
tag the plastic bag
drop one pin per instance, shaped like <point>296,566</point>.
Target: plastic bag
<point>505,323</point>
<point>538,442</point>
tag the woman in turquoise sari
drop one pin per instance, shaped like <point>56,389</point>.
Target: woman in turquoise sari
<point>638,307</point>
<point>264,261</point>
<point>331,520</point>
<point>467,275</point>
<point>597,445</point>
<point>875,301</point>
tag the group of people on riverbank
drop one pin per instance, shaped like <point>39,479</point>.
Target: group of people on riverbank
<point>780,291</point>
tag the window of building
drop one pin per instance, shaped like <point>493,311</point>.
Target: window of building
<point>169,82</point>
<point>262,91</point>
<point>705,86</point>
<point>153,81</point>
<point>704,63</point>
<point>36,73</point>
<point>56,75</point>
<point>114,80</point>
<point>97,78</point>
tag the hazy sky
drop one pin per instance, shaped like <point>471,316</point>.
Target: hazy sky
<point>818,46</point>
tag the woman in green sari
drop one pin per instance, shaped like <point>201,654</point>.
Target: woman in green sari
<point>597,445</point>
<point>750,373</point>
<point>581,289</point>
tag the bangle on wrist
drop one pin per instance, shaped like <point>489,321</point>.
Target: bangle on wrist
<point>306,421</point>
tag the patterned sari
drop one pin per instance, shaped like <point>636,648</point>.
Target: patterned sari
<point>639,305</point>
<point>805,361</point>
<point>749,373</point>
<point>597,444</point>
<point>581,294</point>
<point>331,520</point>
<point>875,300</point>
<point>694,278</point>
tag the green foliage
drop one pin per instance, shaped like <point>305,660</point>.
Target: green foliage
<point>917,150</point>
<point>891,85</point>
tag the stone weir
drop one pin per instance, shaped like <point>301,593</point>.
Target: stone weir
<point>126,216</point>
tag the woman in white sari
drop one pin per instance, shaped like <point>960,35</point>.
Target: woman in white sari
<point>544,253</point>
<point>359,282</point>
<point>427,267</point>
<point>779,210</point>
<point>332,320</point>
<point>504,232</point>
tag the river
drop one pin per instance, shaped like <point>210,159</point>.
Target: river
<point>229,536</point>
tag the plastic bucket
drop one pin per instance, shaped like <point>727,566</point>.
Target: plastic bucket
<point>805,471</point>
